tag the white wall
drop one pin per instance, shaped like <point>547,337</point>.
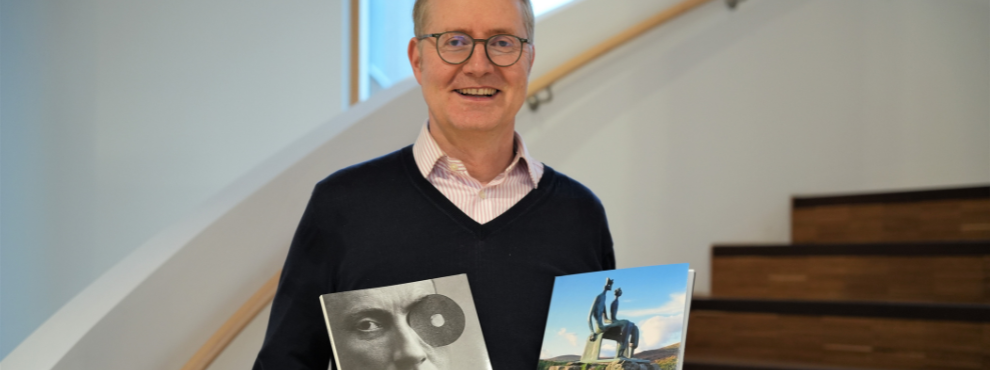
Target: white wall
<point>120,117</point>
<point>699,132</point>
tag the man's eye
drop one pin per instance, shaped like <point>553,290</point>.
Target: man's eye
<point>456,42</point>
<point>368,325</point>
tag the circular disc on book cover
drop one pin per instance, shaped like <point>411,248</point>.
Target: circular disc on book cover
<point>437,319</point>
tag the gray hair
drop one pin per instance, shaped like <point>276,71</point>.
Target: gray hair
<point>529,20</point>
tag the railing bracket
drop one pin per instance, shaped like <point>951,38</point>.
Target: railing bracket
<point>535,101</point>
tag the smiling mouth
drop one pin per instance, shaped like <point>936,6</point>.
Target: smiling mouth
<point>478,92</point>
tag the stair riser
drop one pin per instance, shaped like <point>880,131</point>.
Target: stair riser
<point>863,342</point>
<point>940,220</point>
<point>962,279</point>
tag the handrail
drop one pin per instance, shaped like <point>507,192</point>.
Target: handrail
<point>354,59</point>
<point>244,315</point>
<point>234,325</point>
<point>613,42</point>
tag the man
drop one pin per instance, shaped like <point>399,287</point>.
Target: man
<point>465,198</point>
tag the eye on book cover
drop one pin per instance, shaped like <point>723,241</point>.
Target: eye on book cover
<point>634,318</point>
<point>429,324</point>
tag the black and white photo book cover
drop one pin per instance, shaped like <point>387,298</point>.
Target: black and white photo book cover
<point>428,324</point>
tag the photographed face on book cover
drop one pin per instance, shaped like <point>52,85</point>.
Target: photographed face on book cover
<point>371,330</point>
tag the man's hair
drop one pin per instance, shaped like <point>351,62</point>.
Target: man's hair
<point>529,20</point>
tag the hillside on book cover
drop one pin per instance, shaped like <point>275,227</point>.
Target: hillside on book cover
<point>634,318</point>
<point>424,324</point>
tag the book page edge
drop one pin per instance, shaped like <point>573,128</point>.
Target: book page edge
<point>333,345</point>
<point>689,293</point>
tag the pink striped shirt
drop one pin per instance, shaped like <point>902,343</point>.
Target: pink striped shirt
<point>481,202</point>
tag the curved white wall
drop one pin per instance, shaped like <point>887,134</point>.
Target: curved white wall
<point>156,307</point>
<point>696,133</point>
<point>121,117</point>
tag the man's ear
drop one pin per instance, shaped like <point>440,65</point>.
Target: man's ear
<point>532,58</point>
<point>415,59</point>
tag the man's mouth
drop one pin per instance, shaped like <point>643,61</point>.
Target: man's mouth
<point>480,92</point>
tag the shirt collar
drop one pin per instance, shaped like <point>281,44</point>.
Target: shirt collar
<point>426,152</point>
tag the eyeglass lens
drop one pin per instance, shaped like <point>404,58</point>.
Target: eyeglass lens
<point>455,48</point>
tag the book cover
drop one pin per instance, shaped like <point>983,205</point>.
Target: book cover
<point>429,324</point>
<point>634,318</point>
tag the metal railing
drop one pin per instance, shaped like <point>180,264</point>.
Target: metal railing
<point>545,81</point>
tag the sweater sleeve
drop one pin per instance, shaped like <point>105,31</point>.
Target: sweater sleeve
<point>608,254</point>
<point>297,337</point>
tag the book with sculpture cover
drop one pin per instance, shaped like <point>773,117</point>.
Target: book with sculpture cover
<point>637,319</point>
<point>429,322</point>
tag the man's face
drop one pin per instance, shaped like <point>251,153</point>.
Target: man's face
<point>371,330</point>
<point>441,81</point>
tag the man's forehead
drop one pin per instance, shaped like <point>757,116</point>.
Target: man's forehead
<point>386,298</point>
<point>474,17</point>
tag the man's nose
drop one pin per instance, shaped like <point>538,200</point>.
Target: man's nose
<point>409,351</point>
<point>479,64</point>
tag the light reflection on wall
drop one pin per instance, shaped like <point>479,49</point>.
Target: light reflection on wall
<point>542,6</point>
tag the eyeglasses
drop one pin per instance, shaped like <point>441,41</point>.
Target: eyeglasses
<point>457,47</point>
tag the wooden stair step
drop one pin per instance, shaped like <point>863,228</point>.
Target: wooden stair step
<point>925,215</point>
<point>714,364</point>
<point>968,312</point>
<point>932,272</point>
<point>874,335</point>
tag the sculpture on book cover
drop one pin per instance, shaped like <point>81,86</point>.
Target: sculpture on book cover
<point>598,314</point>
<point>624,332</point>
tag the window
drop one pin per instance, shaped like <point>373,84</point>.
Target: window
<point>390,27</point>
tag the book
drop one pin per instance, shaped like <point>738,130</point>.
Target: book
<point>637,319</point>
<point>428,322</point>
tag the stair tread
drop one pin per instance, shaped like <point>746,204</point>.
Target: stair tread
<point>741,364</point>
<point>968,192</point>
<point>946,248</point>
<point>970,312</point>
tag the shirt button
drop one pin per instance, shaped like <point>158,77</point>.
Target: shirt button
<point>453,167</point>
<point>482,194</point>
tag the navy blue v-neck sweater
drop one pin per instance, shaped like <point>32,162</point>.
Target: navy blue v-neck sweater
<point>381,223</point>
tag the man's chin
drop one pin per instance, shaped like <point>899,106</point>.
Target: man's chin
<point>479,122</point>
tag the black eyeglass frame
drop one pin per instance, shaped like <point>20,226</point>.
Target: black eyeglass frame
<point>522,44</point>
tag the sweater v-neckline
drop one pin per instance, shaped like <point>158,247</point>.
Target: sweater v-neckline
<point>480,230</point>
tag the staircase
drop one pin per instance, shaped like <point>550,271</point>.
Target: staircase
<point>874,281</point>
